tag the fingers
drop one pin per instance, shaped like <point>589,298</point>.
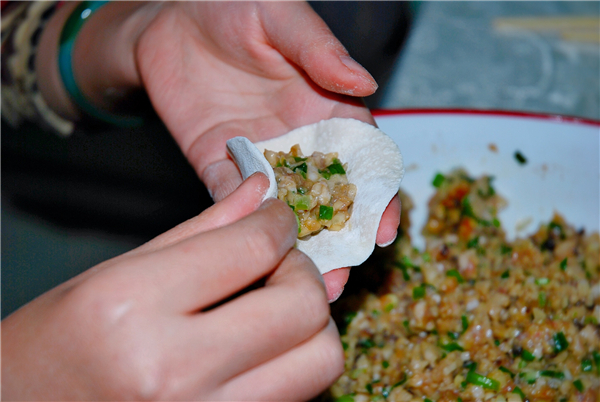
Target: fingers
<point>201,270</point>
<point>388,227</point>
<point>269,321</point>
<point>240,203</point>
<point>221,179</point>
<point>208,154</point>
<point>303,37</point>
<point>300,374</point>
<point>334,282</point>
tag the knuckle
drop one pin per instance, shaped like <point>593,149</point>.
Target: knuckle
<point>262,244</point>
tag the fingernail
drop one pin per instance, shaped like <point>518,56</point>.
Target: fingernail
<point>357,69</point>
<point>261,188</point>
<point>336,296</point>
<point>389,242</point>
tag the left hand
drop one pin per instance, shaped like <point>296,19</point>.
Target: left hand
<point>217,70</point>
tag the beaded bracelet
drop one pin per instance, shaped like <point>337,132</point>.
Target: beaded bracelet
<point>65,66</point>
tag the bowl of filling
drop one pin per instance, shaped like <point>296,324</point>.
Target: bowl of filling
<point>491,291</point>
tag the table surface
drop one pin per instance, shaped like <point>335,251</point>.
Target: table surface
<point>519,56</point>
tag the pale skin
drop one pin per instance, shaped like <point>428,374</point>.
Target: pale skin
<point>134,327</point>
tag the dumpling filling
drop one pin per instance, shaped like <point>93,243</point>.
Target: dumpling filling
<point>315,187</point>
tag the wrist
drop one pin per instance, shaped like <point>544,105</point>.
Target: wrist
<point>102,58</point>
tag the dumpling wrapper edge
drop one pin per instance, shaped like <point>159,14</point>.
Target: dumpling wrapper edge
<point>375,166</point>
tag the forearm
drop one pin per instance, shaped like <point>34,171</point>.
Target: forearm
<point>103,56</point>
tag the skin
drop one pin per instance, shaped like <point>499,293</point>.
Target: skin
<point>269,67</point>
<point>135,327</point>
<point>141,326</point>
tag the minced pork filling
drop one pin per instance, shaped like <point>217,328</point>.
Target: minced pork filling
<point>315,187</point>
<point>474,316</point>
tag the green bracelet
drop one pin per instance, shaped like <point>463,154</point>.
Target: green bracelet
<point>65,66</point>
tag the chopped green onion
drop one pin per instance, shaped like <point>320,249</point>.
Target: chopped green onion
<point>467,210</point>
<point>557,229</point>
<point>301,167</point>
<point>375,313</point>
<point>389,307</point>
<point>325,212</point>
<point>345,345</point>
<point>406,261</point>
<point>542,281</point>
<point>496,222</point>
<point>301,190</point>
<point>552,374</point>
<point>454,273</point>
<point>336,168</point>
<point>453,335</point>
<point>527,355</point>
<point>426,257</point>
<point>465,322</point>
<point>560,342</point>
<point>474,242</point>
<point>542,299</point>
<point>345,398</point>
<point>404,270</point>
<point>519,392</point>
<point>563,264</point>
<point>418,292</point>
<point>586,365</point>
<point>596,357</point>
<point>325,173</point>
<point>504,249</point>
<point>529,376</point>
<point>490,189</point>
<point>520,158</point>
<point>369,388</point>
<point>349,317</point>
<point>427,400</point>
<point>438,180</point>
<point>482,381</point>
<point>507,371</point>
<point>452,346</point>
<point>579,385</point>
<point>472,366</point>
<point>385,364</point>
<point>299,159</point>
<point>402,381</point>
<point>405,323</point>
<point>302,202</point>
<point>505,274</point>
<point>496,342</point>
<point>365,343</point>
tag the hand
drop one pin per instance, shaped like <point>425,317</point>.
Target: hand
<point>141,326</point>
<point>216,70</point>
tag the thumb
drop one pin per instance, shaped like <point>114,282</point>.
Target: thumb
<point>240,203</point>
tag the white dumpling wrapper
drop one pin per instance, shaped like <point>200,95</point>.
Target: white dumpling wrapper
<point>374,165</point>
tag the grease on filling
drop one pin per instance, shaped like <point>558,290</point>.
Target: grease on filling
<point>315,187</point>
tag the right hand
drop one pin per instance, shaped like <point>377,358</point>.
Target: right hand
<point>140,326</point>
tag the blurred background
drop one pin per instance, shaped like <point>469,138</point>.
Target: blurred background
<point>68,204</point>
